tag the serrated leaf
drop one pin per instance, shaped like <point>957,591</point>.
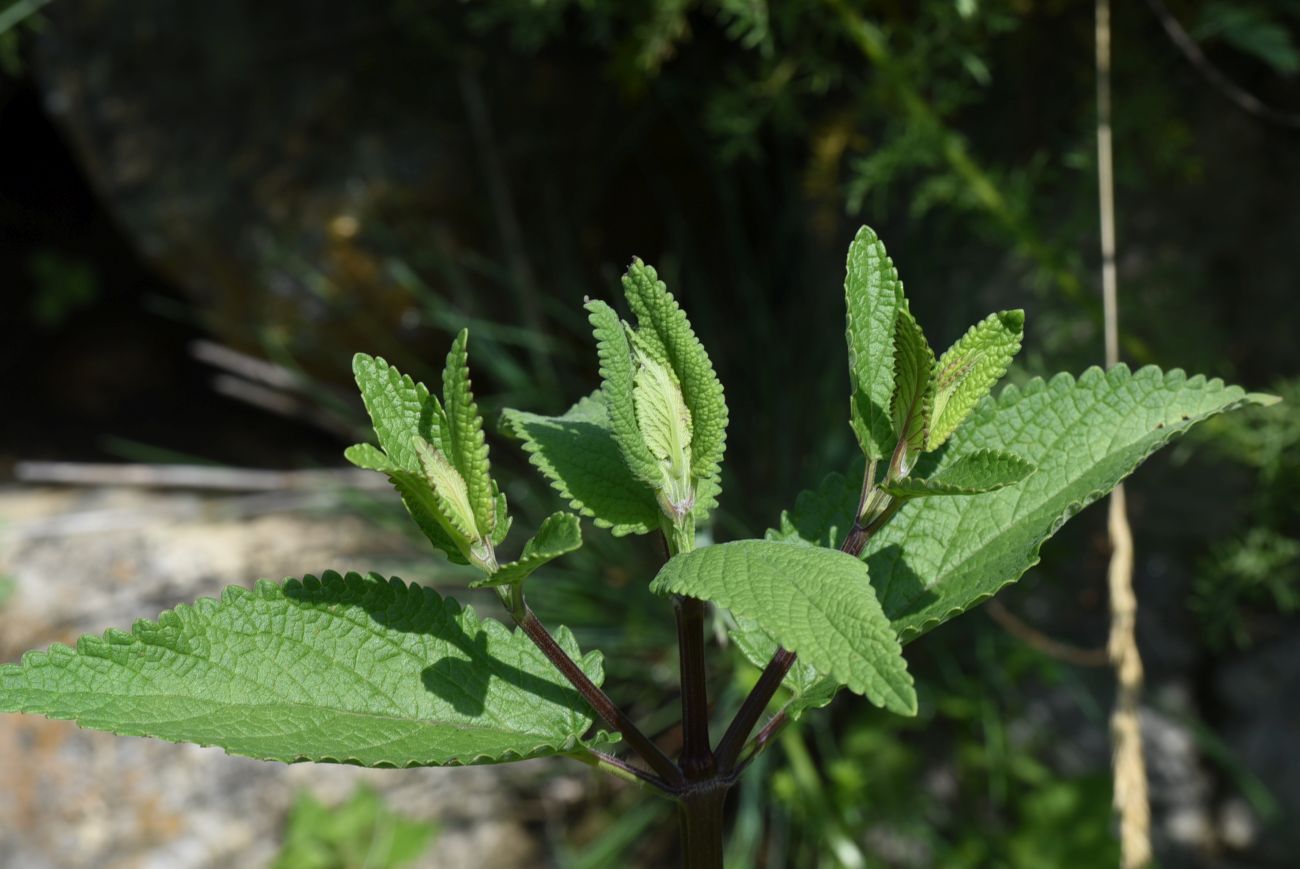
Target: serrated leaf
<point>808,688</point>
<point>873,296</point>
<point>665,329</point>
<point>463,442</point>
<point>559,534</point>
<point>347,669</point>
<point>451,495</point>
<point>618,374</point>
<point>941,556</point>
<point>579,454</point>
<point>913,389</point>
<point>815,602</point>
<point>502,525</point>
<point>971,474</point>
<point>399,408</point>
<point>968,370</point>
<point>423,506</point>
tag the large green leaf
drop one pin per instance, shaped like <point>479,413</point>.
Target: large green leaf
<point>463,441</point>
<point>815,602</point>
<point>399,408</point>
<point>873,295</point>
<point>941,556</point>
<point>664,328</point>
<point>969,368</point>
<point>349,668</point>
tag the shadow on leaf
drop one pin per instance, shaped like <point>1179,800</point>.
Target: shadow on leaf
<point>461,680</point>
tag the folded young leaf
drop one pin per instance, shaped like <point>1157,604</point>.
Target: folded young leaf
<point>970,474</point>
<point>941,556</point>
<point>618,375</point>
<point>808,688</point>
<point>399,408</point>
<point>873,296</point>
<point>665,330</point>
<point>450,492</point>
<point>665,423</point>
<point>970,368</point>
<point>349,669</point>
<point>463,441</point>
<point>913,390</point>
<point>816,602</point>
<point>559,534</point>
<point>418,498</point>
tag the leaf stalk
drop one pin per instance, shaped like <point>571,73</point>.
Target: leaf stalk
<point>599,700</point>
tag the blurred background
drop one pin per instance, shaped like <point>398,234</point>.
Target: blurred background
<point>206,209</point>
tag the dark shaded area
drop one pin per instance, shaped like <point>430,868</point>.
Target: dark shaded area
<point>93,342</point>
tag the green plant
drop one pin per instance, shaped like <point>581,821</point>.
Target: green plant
<point>362,833</point>
<point>957,492</point>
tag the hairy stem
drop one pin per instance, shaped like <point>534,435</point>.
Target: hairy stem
<point>599,700</point>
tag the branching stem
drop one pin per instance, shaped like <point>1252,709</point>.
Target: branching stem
<point>599,700</point>
<point>783,659</point>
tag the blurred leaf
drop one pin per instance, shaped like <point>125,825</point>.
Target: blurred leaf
<point>1251,30</point>
<point>362,833</point>
<point>63,286</point>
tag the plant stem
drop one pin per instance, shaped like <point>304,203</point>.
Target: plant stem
<point>622,769</point>
<point>762,739</point>
<point>697,758</point>
<point>750,710</point>
<point>599,700</point>
<point>700,819</point>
